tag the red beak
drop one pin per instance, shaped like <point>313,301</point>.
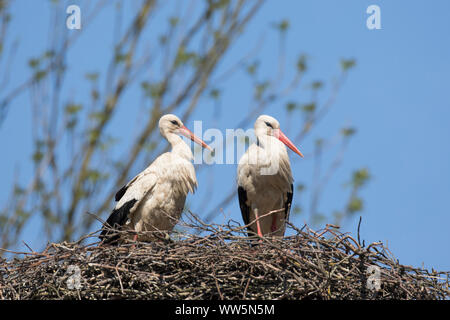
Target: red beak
<point>280,135</point>
<point>188,134</point>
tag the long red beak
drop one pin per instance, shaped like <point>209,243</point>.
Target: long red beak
<point>188,134</point>
<point>280,135</point>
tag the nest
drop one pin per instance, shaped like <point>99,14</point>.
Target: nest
<point>208,261</point>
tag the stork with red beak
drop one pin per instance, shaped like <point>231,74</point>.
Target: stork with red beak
<point>155,198</point>
<point>265,183</point>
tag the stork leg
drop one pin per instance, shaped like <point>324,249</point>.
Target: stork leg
<point>273,227</point>
<point>258,226</point>
<point>134,240</point>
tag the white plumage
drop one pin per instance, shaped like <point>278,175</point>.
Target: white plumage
<point>265,182</point>
<point>155,198</point>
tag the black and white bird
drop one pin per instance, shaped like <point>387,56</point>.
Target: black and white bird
<point>155,198</point>
<point>265,182</point>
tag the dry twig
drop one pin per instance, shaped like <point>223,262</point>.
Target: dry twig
<point>218,262</point>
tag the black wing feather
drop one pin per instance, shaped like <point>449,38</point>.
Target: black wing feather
<point>121,192</point>
<point>287,205</point>
<point>117,218</point>
<point>245,209</point>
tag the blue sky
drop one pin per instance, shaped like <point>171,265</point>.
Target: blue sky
<point>396,97</point>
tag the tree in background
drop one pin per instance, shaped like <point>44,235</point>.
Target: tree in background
<point>75,169</point>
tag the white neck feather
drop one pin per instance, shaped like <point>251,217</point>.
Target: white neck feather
<point>179,147</point>
<point>271,144</point>
<point>275,151</point>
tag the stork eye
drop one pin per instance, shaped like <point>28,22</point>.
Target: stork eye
<point>175,122</point>
<point>269,125</point>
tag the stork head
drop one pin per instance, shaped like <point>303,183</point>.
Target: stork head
<point>171,124</point>
<point>269,126</point>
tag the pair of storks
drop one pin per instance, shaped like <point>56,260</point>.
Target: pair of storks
<point>155,198</point>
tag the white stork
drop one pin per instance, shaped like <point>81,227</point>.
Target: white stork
<point>265,183</point>
<point>155,198</point>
